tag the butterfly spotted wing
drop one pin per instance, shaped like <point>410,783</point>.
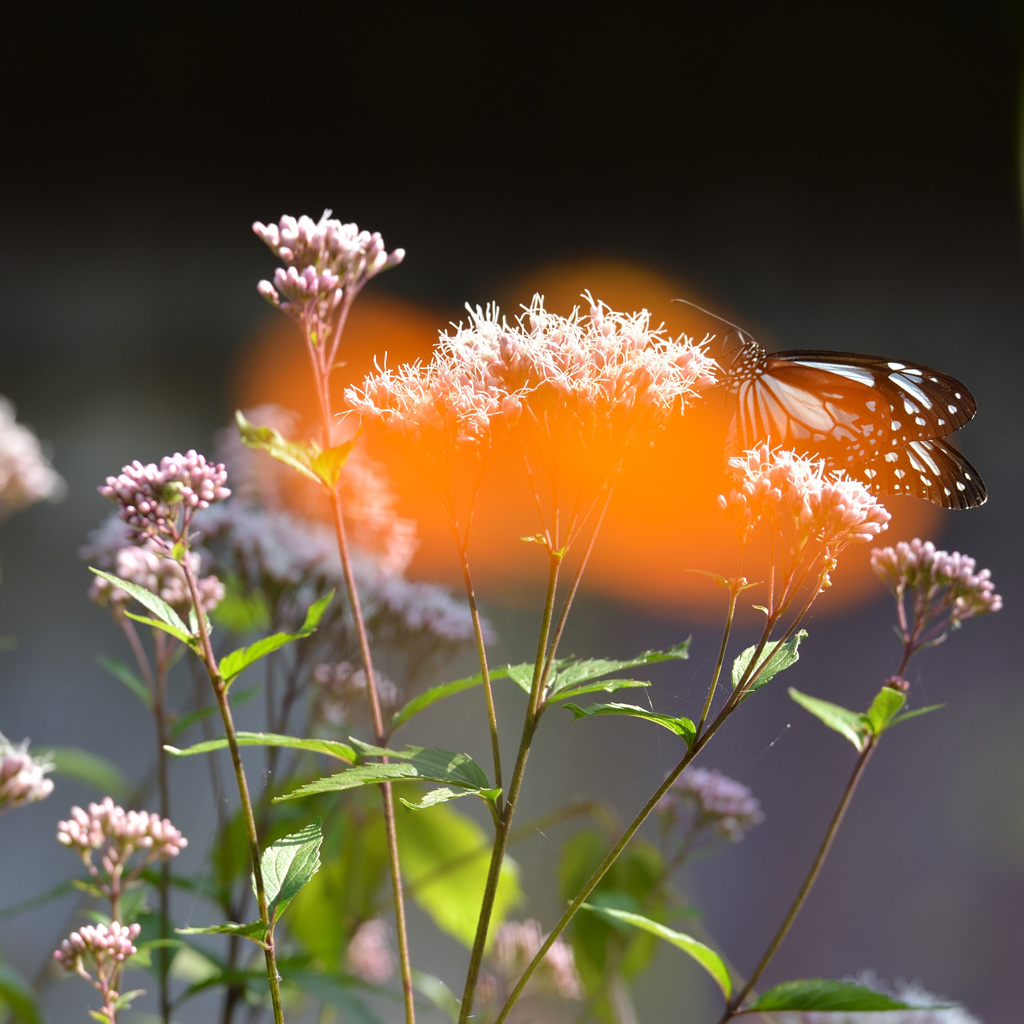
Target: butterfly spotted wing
<point>881,420</point>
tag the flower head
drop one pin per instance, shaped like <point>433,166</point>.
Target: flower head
<point>22,776</point>
<point>713,801</point>
<point>158,501</point>
<point>369,956</point>
<point>26,476</point>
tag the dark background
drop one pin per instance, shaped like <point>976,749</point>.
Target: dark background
<point>837,176</point>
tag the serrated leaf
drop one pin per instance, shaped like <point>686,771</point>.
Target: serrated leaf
<point>603,685</point>
<point>576,672</point>
<point>704,955</point>
<point>845,722</point>
<point>124,674</point>
<point>436,693</point>
<point>234,663</point>
<point>412,764</point>
<point>442,795</point>
<point>300,455</point>
<point>522,674</point>
<point>332,748</point>
<point>826,996</point>
<point>288,865</point>
<point>157,605</point>
<point>884,708</point>
<point>774,659</point>
<point>84,766</point>
<point>445,860</point>
<point>680,726</point>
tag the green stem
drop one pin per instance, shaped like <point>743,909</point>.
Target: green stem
<point>504,824</point>
<point>736,1002</point>
<point>481,651</point>
<point>221,696</point>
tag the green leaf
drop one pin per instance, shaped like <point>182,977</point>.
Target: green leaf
<point>522,674</point>
<point>606,685</point>
<point>159,607</point>
<point>255,930</point>
<point>704,955</point>
<point>332,748</point>
<point>917,711</point>
<point>437,992</point>
<point>179,634</point>
<point>84,766</point>
<point>232,664</point>
<point>123,674</point>
<point>436,693</point>
<point>327,465</point>
<point>437,796</point>
<point>16,995</point>
<point>680,726</point>
<point>847,723</point>
<point>577,672</point>
<point>445,858</point>
<point>412,764</point>
<point>825,995</point>
<point>774,659</point>
<point>300,455</point>
<point>334,990</point>
<point>288,865</point>
<point>241,612</point>
<point>884,708</point>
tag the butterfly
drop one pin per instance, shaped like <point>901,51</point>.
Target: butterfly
<point>881,420</point>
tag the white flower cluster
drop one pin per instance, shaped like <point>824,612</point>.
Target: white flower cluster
<point>22,776</point>
<point>104,944</point>
<point>25,474</point>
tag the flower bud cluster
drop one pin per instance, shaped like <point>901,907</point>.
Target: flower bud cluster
<point>117,834</point>
<point>105,946</point>
<point>25,474</point>
<point>22,776</point>
<point>323,260</point>
<point>712,801</point>
<point>152,498</point>
<point>795,495</point>
<point>340,693</point>
<point>943,582</point>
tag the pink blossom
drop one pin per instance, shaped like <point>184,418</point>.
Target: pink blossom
<point>720,803</point>
<point>516,943</point>
<point>26,476</point>
<point>22,776</point>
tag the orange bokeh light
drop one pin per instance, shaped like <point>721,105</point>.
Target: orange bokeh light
<point>663,519</point>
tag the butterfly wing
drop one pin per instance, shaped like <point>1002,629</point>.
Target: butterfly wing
<point>880,419</point>
<point>930,469</point>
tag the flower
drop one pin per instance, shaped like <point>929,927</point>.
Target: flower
<point>516,943</point>
<point>22,777</point>
<point>583,391</point>
<point>718,803</point>
<point>26,476</point>
<point>158,500</point>
<point>148,565</point>
<point>942,582</point>
<point>368,955</point>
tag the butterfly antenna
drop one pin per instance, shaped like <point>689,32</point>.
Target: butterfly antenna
<point>721,319</point>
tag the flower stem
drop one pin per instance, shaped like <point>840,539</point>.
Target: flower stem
<point>736,1002</point>
<point>221,696</point>
<point>504,824</point>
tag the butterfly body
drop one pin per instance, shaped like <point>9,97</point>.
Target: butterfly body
<point>881,420</point>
